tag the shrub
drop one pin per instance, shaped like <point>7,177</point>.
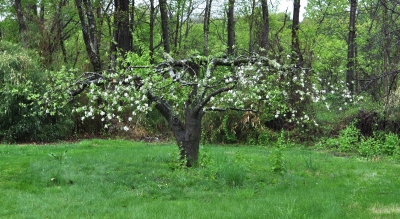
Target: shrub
<point>391,144</point>
<point>349,138</point>
<point>369,147</point>
<point>277,158</point>
<point>21,81</point>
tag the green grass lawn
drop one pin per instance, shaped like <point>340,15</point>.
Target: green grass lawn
<point>124,179</point>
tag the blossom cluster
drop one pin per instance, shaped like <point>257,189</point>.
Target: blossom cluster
<point>281,91</point>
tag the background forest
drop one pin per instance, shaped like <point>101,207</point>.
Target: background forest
<point>346,51</point>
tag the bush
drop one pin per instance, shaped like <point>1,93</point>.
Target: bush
<point>349,138</point>
<point>369,147</point>
<point>21,81</point>
<point>391,144</point>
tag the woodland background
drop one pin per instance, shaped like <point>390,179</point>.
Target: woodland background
<point>352,45</point>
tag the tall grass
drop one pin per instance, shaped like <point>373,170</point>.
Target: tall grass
<point>124,179</point>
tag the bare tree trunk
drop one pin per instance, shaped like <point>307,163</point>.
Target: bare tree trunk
<point>231,27</point>
<point>386,46</point>
<point>188,134</point>
<point>206,26</point>
<point>89,31</point>
<point>265,28</point>
<point>297,57</point>
<point>21,22</point>
<point>251,24</point>
<point>122,33</point>
<point>179,14</point>
<point>190,9</point>
<point>357,79</point>
<point>151,32</point>
<point>351,46</point>
<point>164,24</point>
<point>132,23</point>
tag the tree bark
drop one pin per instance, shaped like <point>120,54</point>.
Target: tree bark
<point>251,25</point>
<point>188,134</point>
<point>231,27</point>
<point>386,46</point>
<point>21,22</point>
<point>297,57</point>
<point>265,28</point>
<point>132,24</point>
<point>164,24</point>
<point>206,26</point>
<point>89,31</point>
<point>178,25</point>
<point>351,47</point>
<point>122,33</point>
<point>151,32</point>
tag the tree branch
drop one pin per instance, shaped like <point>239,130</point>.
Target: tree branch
<point>379,77</point>
<point>230,108</point>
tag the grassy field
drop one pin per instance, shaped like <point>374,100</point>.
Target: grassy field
<point>124,179</point>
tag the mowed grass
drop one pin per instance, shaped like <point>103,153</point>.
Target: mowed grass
<point>124,179</point>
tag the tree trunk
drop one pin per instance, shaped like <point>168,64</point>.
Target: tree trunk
<point>188,134</point>
<point>297,57</point>
<point>122,34</point>
<point>21,22</point>
<point>351,47</point>
<point>231,27</point>
<point>386,46</point>
<point>151,32</point>
<point>132,23</point>
<point>89,31</point>
<point>265,30</point>
<point>251,24</point>
<point>179,14</point>
<point>206,25</point>
<point>164,24</point>
<point>192,136</point>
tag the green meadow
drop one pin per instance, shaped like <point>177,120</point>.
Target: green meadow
<point>125,179</point>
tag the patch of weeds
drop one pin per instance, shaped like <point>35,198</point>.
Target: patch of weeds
<point>310,163</point>
<point>230,134</point>
<point>369,147</point>
<point>57,174</point>
<point>265,138</point>
<point>175,162</point>
<point>348,138</point>
<point>391,144</point>
<point>332,143</point>
<point>278,161</point>
<point>277,158</point>
<point>233,174</point>
<point>205,158</point>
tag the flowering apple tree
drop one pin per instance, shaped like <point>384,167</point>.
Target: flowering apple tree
<point>184,90</point>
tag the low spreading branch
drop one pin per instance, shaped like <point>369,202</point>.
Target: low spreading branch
<point>373,80</point>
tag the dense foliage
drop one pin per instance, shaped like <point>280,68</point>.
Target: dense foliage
<point>22,79</point>
<point>296,75</point>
